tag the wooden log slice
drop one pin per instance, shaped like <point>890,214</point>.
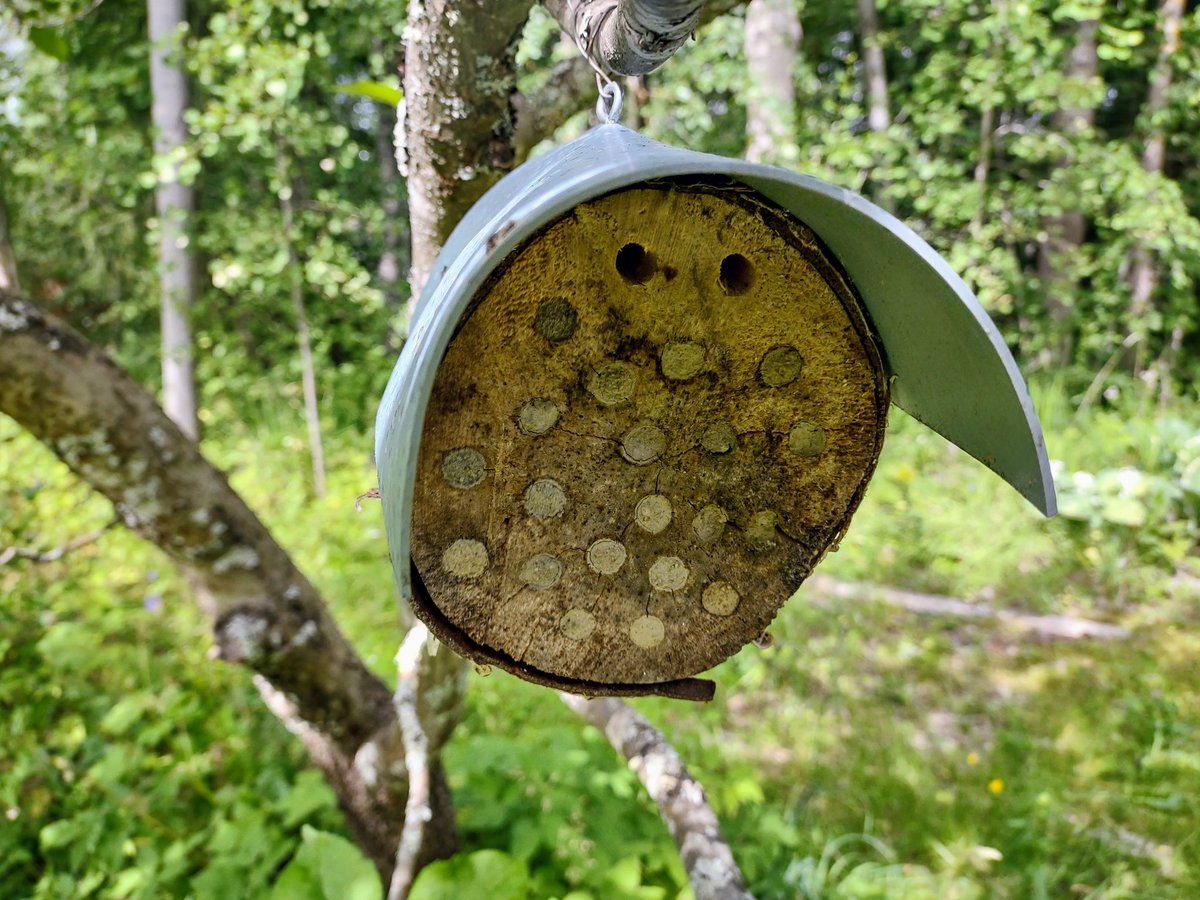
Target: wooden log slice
<point>658,415</point>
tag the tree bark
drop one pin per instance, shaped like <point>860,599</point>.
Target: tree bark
<point>1143,270</point>
<point>983,165</point>
<point>455,140</point>
<point>879,115</point>
<point>8,262</point>
<point>1065,231</point>
<point>392,264</point>
<point>628,37</point>
<point>308,374</point>
<point>540,112</point>
<point>264,612</point>
<point>175,203</point>
<point>772,44</point>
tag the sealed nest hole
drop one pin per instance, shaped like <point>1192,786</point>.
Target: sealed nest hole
<point>659,414</point>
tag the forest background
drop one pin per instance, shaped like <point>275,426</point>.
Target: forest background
<point>886,745</point>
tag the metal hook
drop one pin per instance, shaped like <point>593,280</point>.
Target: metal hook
<point>608,105</point>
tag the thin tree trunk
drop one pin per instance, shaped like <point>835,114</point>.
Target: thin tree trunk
<point>175,202</point>
<point>879,116</point>
<point>983,165</point>
<point>637,95</point>
<point>8,262</point>
<point>772,43</point>
<point>712,872</point>
<point>1143,269</point>
<point>1065,231</point>
<point>308,375</point>
<point>392,264</point>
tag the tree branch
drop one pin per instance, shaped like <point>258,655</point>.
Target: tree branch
<point>45,556</point>
<point>1067,627</point>
<point>419,809</point>
<point>711,869</point>
<point>628,37</point>
<point>540,113</point>
<point>265,613</point>
<point>571,87</point>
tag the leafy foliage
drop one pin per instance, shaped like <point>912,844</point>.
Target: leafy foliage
<point>869,753</point>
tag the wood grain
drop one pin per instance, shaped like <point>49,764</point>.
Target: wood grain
<point>677,369</point>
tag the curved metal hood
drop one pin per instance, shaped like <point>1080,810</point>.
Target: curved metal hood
<point>950,367</point>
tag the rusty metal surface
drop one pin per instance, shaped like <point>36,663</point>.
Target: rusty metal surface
<point>951,368</point>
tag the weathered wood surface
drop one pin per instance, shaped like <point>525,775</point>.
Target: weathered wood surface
<point>661,412</point>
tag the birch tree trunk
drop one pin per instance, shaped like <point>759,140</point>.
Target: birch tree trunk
<point>1065,231</point>
<point>772,44</point>
<point>393,260</point>
<point>1143,269</point>
<point>175,203</point>
<point>8,262</point>
<point>879,116</point>
<point>308,373</point>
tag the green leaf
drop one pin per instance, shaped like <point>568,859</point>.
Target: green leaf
<point>59,834</point>
<point>50,42</point>
<point>125,714</point>
<point>308,795</point>
<point>626,875</point>
<point>344,873</point>
<point>373,90</point>
<point>1124,511</point>
<point>483,875</point>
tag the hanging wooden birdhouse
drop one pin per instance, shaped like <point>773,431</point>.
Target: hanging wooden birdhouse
<point>644,392</point>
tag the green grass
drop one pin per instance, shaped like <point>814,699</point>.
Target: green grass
<point>868,753</point>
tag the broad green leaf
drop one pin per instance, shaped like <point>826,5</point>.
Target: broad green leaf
<point>373,90</point>
<point>483,875</point>
<point>344,873</point>
<point>1124,511</point>
<point>50,42</point>
<point>308,795</point>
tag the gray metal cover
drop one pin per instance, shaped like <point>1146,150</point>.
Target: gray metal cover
<point>951,368</point>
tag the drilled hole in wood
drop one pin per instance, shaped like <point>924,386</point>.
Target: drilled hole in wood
<point>464,468</point>
<point>612,382</point>
<point>537,416</point>
<point>720,598</point>
<point>545,499</point>
<point>807,439</point>
<point>709,524</point>
<point>643,444</point>
<point>635,263</point>
<point>669,573</point>
<point>737,274</point>
<point>465,558</point>
<point>606,556</point>
<point>647,631</point>
<point>653,513</point>
<point>577,624</point>
<point>682,360</point>
<point>719,438</point>
<point>781,366</point>
<point>541,571</point>
<point>556,320</point>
